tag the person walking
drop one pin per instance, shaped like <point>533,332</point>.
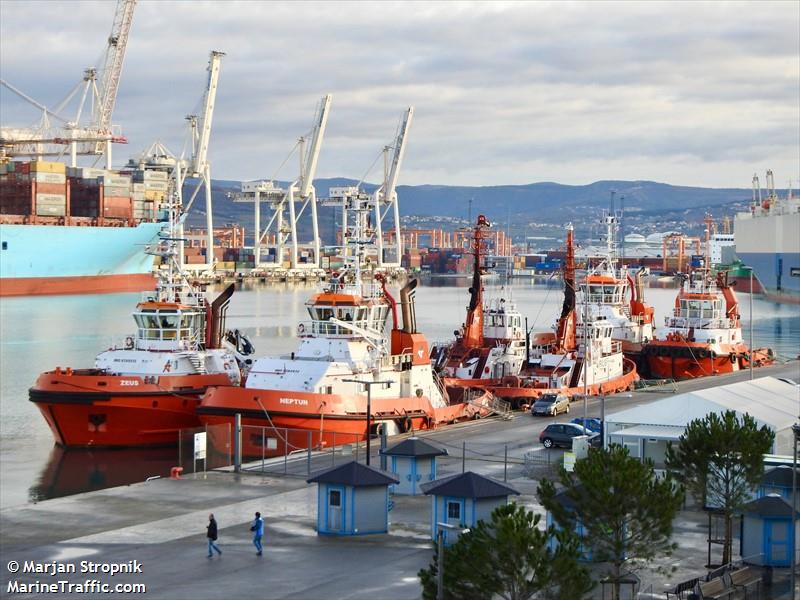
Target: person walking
<point>258,532</point>
<point>211,534</point>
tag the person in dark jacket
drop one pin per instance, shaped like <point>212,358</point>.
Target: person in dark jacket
<point>212,536</point>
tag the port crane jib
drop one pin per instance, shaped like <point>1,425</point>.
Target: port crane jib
<point>89,132</point>
<point>299,197</point>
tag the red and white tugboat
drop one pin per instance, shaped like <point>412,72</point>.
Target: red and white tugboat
<point>316,392</point>
<point>579,357</point>
<point>142,392</point>
<point>703,336</point>
<point>610,293</point>
<point>491,343</point>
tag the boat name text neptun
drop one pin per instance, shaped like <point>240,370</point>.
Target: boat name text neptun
<point>294,401</point>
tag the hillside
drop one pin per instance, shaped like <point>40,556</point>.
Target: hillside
<point>536,209</point>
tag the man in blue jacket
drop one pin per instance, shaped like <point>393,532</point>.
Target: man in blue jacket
<point>258,532</point>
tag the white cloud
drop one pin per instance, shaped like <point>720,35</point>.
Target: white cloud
<point>686,93</point>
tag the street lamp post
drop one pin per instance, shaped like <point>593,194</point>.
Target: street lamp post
<point>796,432</point>
<point>369,385</point>
<point>751,331</point>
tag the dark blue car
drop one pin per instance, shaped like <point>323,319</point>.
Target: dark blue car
<point>593,424</point>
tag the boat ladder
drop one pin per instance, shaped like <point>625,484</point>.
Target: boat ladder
<point>198,363</point>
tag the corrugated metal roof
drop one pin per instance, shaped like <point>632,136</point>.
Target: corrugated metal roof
<point>768,400</point>
<point>659,432</point>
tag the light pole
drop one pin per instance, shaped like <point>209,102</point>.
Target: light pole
<point>369,385</point>
<point>440,527</point>
<point>751,339</point>
<point>796,432</point>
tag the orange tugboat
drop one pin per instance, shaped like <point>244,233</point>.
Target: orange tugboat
<point>143,392</point>
<point>318,392</point>
<point>703,336</point>
<point>491,343</point>
<point>579,357</point>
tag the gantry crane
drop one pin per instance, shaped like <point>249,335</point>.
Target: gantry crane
<point>385,197</point>
<point>198,166</point>
<point>300,193</point>
<point>93,136</point>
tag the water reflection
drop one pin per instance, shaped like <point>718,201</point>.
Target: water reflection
<point>73,471</point>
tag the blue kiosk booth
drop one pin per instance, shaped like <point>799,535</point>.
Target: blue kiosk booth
<point>413,461</point>
<point>352,499</point>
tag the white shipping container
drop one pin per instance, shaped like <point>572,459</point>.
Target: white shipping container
<point>157,186</point>
<point>117,191</point>
<point>116,181</point>
<point>48,210</point>
<point>154,175</point>
<point>89,173</point>
<point>138,196</point>
<point>42,177</point>
<point>54,199</point>
<point>138,187</point>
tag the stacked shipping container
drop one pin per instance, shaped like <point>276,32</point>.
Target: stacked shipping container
<point>42,190</point>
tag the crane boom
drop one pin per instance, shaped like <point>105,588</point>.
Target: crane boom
<point>397,159</point>
<point>200,158</point>
<point>115,56</point>
<point>317,133</point>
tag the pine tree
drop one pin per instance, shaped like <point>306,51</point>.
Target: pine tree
<point>720,460</point>
<point>509,557</point>
<point>625,510</point>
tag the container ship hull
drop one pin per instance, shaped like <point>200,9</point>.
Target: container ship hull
<point>61,259</point>
<point>771,246</point>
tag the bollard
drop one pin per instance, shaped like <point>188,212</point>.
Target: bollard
<point>175,472</point>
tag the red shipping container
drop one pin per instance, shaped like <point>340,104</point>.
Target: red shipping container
<point>117,202</point>
<point>51,188</point>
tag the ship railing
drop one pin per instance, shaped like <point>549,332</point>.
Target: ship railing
<point>699,323</point>
<point>324,328</point>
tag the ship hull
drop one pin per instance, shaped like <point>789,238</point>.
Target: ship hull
<point>770,245</point>
<point>86,409</point>
<point>514,391</point>
<point>62,259</point>
<point>688,361</point>
<point>277,422</point>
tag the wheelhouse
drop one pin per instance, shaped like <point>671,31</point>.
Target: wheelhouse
<point>170,324</point>
<point>325,314</point>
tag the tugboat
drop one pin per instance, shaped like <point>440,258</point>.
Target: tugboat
<point>491,343</point>
<point>142,392</point>
<point>318,395</point>
<point>610,293</point>
<point>579,357</point>
<point>703,336</point>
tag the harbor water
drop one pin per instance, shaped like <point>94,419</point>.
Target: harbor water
<point>41,333</point>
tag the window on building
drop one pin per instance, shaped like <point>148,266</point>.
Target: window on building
<point>334,498</point>
<point>453,510</point>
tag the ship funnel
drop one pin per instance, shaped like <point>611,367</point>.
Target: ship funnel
<point>407,307</point>
<point>215,325</point>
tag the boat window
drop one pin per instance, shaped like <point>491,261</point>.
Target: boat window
<point>345,314</point>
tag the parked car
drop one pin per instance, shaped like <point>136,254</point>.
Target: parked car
<point>593,424</point>
<point>561,434</point>
<point>551,404</point>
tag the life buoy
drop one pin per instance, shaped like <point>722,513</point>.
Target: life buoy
<point>404,424</point>
<point>129,343</point>
<point>732,357</point>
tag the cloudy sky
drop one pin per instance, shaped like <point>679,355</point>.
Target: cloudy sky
<point>687,93</point>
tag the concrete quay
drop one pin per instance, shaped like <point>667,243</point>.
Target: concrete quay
<point>161,524</point>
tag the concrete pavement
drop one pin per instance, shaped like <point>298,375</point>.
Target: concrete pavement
<point>161,524</point>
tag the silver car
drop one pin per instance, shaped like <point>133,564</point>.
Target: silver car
<point>551,405</point>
